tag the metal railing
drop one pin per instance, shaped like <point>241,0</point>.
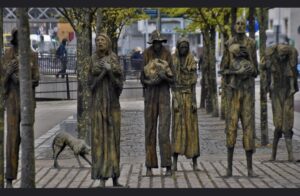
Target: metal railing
<point>131,67</point>
<point>50,64</point>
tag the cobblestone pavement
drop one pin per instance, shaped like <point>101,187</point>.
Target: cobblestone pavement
<point>212,162</point>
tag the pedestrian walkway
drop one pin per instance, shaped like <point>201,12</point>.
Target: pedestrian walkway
<point>212,162</point>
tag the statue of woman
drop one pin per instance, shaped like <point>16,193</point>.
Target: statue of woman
<point>106,84</point>
<point>185,133</point>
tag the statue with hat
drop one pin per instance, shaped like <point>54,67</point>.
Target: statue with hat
<point>281,64</point>
<point>12,103</point>
<point>239,69</point>
<point>157,102</point>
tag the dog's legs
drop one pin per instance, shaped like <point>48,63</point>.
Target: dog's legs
<point>77,157</point>
<point>61,148</point>
<point>87,160</point>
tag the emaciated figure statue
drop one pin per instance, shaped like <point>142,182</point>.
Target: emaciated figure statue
<point>239,70</point>
<point>185,133</point>
<point>157,105</point>
<point>12,103</point>
<point>281,63</point>
<point>106,83</point>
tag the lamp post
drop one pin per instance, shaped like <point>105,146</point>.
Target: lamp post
<point>278,26</point>
<point>158,20</point>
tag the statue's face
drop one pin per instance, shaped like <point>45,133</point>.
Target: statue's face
<point>282,56</point>
<point>240,26</point>
<point>101,43</point>
<point>183,48</point>
<point>157,45</point>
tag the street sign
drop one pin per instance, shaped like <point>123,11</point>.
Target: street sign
<point>151,12</point>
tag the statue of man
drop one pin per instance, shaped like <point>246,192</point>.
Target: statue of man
<point>12,104</point>
<point>157,103</point>
<point>106,84</point>
<point>185,133</point>
<point>281,63</point>
<point>239,68</point>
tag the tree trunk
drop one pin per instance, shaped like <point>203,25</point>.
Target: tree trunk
<point>1,107</point>
<point>263,21</point>
<point>205,72</point>
<point>233,20</point>
<point>251,19</point>
<point>84,51</point>
<point>27,110</point>
<point>203,75</point>
<point>223,100</point>
<point>212,73</point>
<point>99,25</point>
<point>114,43</point>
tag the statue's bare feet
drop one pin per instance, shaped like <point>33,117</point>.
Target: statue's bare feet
<point>149,172</point>
<point>228,173</point>
<point>174,167</point>
<point>9,184</point>
<point>116,183</point>
<point>102,184</point>
<point>272,159</point>
<point>168,171</point>
<point>252,174</point>
<point>195,167</point>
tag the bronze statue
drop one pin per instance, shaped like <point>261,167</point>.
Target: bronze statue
<point>12,103</point>
<point>281,63</point>
<point>185,133</point>
<point>78,146</point>
<point>239,68</point>
<point>106,84</point>
<point>157,103</point>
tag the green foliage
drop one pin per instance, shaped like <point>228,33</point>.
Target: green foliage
<point>76,17</point>
<point>175,12</point>
<point>114,19</point>
<point>201,18</point>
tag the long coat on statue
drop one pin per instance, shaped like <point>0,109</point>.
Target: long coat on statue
<point>105,116</point>
<point>12,104</point>
<point>185,133</point>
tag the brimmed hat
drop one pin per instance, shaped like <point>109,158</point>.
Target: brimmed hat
<point>156,36</point>
<point>283,49</point>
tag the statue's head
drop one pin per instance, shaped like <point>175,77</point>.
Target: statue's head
<point>283,51</point>
<point>103,43</point>
<point>156,39</point>
<point>183,46</point>
<point>240,25</point>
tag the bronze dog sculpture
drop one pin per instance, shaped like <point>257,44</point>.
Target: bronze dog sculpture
<point>78,146</point>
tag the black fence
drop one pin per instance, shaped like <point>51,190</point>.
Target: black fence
<point>50,64</point>
<point>132,67</point>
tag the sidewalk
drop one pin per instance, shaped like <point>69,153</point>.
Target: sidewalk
<point>212,162</point>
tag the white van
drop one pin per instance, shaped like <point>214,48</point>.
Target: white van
<point>43,44</point>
